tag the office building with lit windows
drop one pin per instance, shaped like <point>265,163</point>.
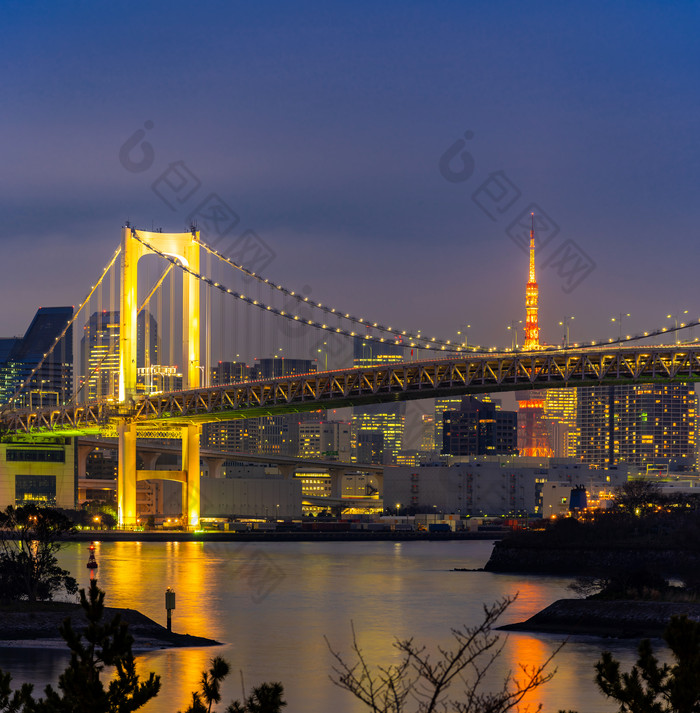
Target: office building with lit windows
<point>327,440</point>
<point>99,355</point>
<point>41,473</point>
<point>276,367</point>
<point>442,404</point>
<point>53,382</point>
<point>560,418</point>
<point>389,419</point>
<point>479,428</point>
<point>229,372</point>
<point>651,426</point>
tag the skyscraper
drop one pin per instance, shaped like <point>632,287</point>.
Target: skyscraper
<point>388,419</point>
<point>99,352</point>
<point>646,425</point>
<point>479,428</point>
<point>560,415</point>
<point>53,382</point>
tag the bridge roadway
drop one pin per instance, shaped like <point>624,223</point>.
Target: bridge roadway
<point>284,463</point>
<point>461,374</point>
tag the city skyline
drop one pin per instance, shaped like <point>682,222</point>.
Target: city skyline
<point>345,152</point>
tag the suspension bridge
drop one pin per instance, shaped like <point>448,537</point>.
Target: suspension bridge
<point>130,385</point>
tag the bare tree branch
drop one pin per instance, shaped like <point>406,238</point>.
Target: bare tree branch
<point>425,682</point>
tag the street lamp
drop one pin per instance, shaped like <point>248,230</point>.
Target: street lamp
<point>618,319</point>
<point>513,326</point>
<point>462,334</point>
<point>565,323</point>
<point>325,354</point>
<point>676,317</point>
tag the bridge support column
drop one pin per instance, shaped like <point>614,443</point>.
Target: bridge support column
<point>214,466</point>
<point>149,460</point>
<point>336,482</point>
<point>190,465</point>
<point>126,474</point>
<point>287,471</point>
<point>83,453</point>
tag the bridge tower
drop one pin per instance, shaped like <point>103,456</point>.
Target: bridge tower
<point>184,247</point>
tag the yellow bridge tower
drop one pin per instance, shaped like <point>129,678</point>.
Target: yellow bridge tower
<point>184,247</point>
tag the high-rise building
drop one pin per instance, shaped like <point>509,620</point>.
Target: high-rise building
<point>442,404</point>
<point>264,435</point>
<point>645,425</point>
<point>273,368</point>
<point>53,383</point>
<point>389,419</point>
<point>99,353</point>
<point>427,441</point>
<point>479,428</point>
<point>229,372</point>
<point>327,440</point>
<point>368,447</point>
<point>560,415</point>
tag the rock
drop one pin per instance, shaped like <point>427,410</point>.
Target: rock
<point>619,619</point>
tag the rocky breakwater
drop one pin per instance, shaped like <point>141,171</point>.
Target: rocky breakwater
<point>577,559</point>
<point>620,619</point>
<point>31,625</point>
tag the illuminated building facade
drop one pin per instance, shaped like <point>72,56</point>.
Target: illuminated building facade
<point>427,441</point>
<point>560,415</point>
<point>273,368</point>
<point>368,447</point>
<point>646,425</point>
<point>40,473</point>
<point>479,428</point>
<point>327,440</point>
<point>157,378</point>
<point>390,419</point>
<point>99,353</point>
<point>229,372</point>
<point>445,403</point>
<point>264,435</point>
<point>53,383</point>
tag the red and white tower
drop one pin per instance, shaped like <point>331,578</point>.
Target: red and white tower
<point>533,436</point>
<point>532,327</point>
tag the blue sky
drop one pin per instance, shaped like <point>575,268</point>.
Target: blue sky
<point>322,126</point>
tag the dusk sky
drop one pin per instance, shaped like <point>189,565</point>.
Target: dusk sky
<point>322,125</point>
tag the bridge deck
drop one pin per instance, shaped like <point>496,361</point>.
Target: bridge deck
<point>378,384</point>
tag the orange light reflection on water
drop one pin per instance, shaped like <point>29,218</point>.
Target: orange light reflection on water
<point>133,570</point>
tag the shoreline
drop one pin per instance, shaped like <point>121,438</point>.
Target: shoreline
<point>37,626</point>
<point>214,536</point>
<point>620,619</point>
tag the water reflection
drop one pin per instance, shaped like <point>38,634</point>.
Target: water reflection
<point>273,629</point>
